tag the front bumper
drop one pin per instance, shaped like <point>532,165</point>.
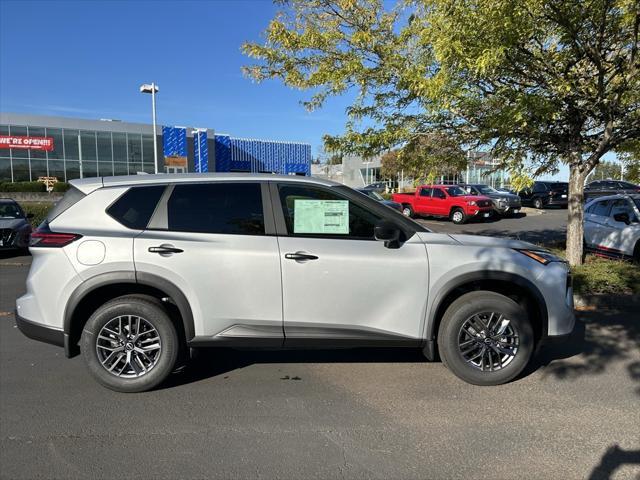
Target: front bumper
<point>504,208</point>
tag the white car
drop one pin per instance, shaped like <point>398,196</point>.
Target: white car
<point>612,226</point>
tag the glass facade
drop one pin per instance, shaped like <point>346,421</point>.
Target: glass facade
<point>76,154</point>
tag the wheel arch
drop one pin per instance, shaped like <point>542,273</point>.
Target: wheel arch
<point>101,288</point>
<point>505,283</point>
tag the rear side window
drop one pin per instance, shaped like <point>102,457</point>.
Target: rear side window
<point>227,208</point>
<point>135,207</point>
<point>70,198</point>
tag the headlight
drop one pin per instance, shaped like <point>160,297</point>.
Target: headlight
<point>541,256</point>
<point>471,202</point>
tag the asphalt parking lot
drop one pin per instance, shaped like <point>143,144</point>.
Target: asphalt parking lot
<point>342,414</point>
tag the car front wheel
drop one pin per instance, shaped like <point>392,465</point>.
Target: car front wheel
<point>485,338</point>
<point>130,344</point>
<point>457,216</point>
<point>537,203</point>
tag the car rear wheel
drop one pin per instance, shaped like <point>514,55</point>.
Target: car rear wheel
<point>407,211</point>
<point>485,338</point>
<point>537,203</point>
<point>130,344</point>
<point>457,216</point>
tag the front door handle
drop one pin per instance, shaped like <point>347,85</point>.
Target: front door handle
<point>165,249</point>
<point>300,256</point>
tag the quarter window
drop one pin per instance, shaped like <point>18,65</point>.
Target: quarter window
<point>225,208</point>
<point>135,207</point>
<point>321,212</point>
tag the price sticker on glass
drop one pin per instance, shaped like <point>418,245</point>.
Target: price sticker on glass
<point>321,216</point>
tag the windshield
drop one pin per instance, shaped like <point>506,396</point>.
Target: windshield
<point>637,202</point>
<point>455,191</point>
<point>10,210</point>
<point>375,195</point>
<point>487,190</point>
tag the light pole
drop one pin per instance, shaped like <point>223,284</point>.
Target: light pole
<point>152,88</point>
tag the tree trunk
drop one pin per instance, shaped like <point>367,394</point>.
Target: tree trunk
<point>575,228</point>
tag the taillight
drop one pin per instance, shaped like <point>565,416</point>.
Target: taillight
<point>41,238</point>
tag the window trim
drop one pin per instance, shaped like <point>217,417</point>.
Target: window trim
<point>160,218</point>
<point>367,203</point>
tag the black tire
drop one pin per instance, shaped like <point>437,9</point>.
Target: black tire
<point>407,211</point>
<point>450,332</point>
<point>636,253</point>
<point>537,203</point>
<point>457,216</point>
<point>155,315</point>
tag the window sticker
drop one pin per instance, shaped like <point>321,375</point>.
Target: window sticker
<point>321,216</point>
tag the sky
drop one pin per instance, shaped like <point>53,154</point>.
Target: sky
<point>87,59</point>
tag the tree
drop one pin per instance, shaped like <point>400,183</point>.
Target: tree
<point>544,80</point>
<point>605,170</point>
<point>424,158</point>
<point>629,154</point>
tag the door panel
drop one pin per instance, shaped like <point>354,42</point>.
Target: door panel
<point>227,279</point>
<point>354,287</point>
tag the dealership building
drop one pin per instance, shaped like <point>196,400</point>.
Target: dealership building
<point>36,146</point>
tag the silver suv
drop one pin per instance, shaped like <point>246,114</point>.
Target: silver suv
<point>135,271</point>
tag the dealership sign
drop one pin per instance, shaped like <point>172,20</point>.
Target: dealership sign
<point>26,143</point>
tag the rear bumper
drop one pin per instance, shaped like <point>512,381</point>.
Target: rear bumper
<point>42,333</point>
<point>562,202</point>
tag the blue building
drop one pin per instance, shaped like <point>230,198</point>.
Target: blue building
<point>33,146</point>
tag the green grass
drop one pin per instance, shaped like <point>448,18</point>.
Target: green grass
<point>599,275</point>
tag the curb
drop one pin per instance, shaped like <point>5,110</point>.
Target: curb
<point>604,301</point>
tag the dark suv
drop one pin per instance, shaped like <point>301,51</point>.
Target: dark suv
<point>609,187</point>
<point>545,194</point>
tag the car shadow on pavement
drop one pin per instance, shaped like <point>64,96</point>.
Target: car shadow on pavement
<point>212,362</point>
<point>614,458</point>
<point>608,337</point>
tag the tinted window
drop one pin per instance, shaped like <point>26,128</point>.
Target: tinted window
<point>539,187</point>
<point>437,193</point>
<point>425,192</point>
<point>455,191</point>
<point>622,206</point>
<point>310,211</point>
<point>601,208</point>
<point>627,185</point>
<point>228,208</point>
<point>135,207</point>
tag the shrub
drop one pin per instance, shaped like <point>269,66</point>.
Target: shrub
<point>60,187</point>
<point>599,275</point>
<point>22,187</point>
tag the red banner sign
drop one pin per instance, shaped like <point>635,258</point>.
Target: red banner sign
<point>26,143</point>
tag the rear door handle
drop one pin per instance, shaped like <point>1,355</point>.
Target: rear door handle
<point>300,256</point>
<point>165,249</point>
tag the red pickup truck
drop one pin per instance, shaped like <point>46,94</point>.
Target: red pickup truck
<point>444,201</point>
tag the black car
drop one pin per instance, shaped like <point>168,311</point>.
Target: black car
<point>609,187</point>
<point>503,203</point>
<point>15,229</point>
<point>545,194</point>
<point>376,196</point>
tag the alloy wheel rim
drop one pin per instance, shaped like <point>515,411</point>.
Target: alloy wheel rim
<point>128,346</point>
<point>406,212</point>
<point>457,217</point>
<point>488,341</point>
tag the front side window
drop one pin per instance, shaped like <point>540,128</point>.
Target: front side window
<point>455,191</point>
<point>312,211</point>
<point>601,208</point>
<point>622,206</point>
<point>425,192</point>
<point>224,208</point>
<point>437,193</point>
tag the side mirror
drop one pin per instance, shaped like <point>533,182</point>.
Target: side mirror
<point>29,215</point>
<point>388,233</point>
<point>622,217</point>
